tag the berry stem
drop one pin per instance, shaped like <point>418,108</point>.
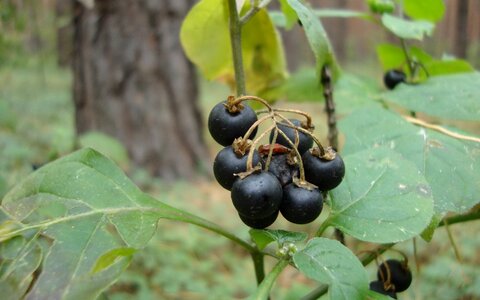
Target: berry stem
<point>298,112</point>
<point>407,57</point>
<point>254,98</point>
<point>236,42</point>
<point>253,10</point>
<point>297,154</point>
<point>270,150</point>
<point>254,146</point>
<point>315,139</point>
<point>255,125</point>
<point>264,288</point>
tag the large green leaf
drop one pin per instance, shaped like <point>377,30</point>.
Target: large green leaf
<point>316,35</point>
<point>106,145</point>
<point>450,166</point>
<point>206,40</point>
<point>430,10</point>
<point>329,262</point>
<point>450,96</point>
<point>352,92</point>
<point>382,198</point>
<point>95,218</point>
<point>407,29</point>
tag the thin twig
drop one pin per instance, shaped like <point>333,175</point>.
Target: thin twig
<point>441,129</point>
<point>236,43</point>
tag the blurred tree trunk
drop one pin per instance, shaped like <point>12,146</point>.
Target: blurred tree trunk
<point>461,34</point>
<point>63,13</point>
<point>132,81</point>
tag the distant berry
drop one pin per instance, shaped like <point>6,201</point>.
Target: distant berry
<point>400,276</point>
<point>393,77</point>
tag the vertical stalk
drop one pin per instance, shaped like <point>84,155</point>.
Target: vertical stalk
<point>236,43</point>
<point>263,290</point>
<point>326,80</point>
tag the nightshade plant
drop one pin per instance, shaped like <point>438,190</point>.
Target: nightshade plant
<point>69,229</point>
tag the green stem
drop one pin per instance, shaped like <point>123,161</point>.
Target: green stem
<point>236,43</point>
<point>322,227</point>
<point>264,288</point>
<point>258,264</point>
<point>460,218</point>
<point>407,57</point>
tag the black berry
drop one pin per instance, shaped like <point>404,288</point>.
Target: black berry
<point>259,223</point>
<point>398,274</point>
<point>282,168</point>
<point>301,205</point>
<point>225,126</point>
<point>378,286</point>
<point>393,77</point>
<point>325,174</point>
<point>305,142</point>
<point>257,196</point>
<point>227,163</point>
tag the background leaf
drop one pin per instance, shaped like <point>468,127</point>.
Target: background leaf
<point>407,29</point>
<point>316,36</point>
<point>382,198</point>
<point>430,10</point>
<point>329,262</point>
<point>106,145</point>
<point>450,96</point>
<point>450,166</point>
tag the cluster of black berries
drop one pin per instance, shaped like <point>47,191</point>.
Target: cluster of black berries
<point>265,182</point>
<point>394,276</point>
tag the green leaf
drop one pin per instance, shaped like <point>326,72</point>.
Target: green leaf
<point>289,14</point>
<point>264,237</point>
<point>392,56</point>
<point>430,10</point>
<point>206,40</point>
<point>302,86</point>
<point>352,92</point>
<point>329,262</point>
<point>316,36</point>
<point>109,258</point>
<point>106,145</point>
<point>89,209</point>
<point>341,13</point>
<point>451,96</point>
<point>371,295</point>
<point>382,199</point>
<point>445,67</point>
<point>407,29</point>
<point>450,166</point>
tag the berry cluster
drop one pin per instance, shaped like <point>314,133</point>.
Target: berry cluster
<point>394,276</point>
<point>288,175</point>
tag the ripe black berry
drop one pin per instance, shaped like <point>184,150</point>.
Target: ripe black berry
<point>399,275</point>
<point>225,126</point>
<point>377,286</point>
<point>393,77</point>
<point>301,205</point>
<point>282,168</point>
<point>304,143</point>
<point>257,196</point>
<point>227,163</point>
<point>259,223</point>
<point>325,174</point>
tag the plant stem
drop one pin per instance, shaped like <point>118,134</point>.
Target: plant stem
<point>264,288</point>
<point>326,80</point>
<point>258,264</point>
<point>460,218</point>
<point>407,57</point>
<point>322,228</point>
<point>236,44</point>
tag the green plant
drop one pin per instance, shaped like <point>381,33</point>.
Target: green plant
<point>70,229</point>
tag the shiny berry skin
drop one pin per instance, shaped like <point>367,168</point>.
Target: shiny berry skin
<point>259,223</point>
<point>325,174</point>
<point>377,286</point>
<point>227,163</point>
<point>300,205</point>
<point>280,167</point>
<point>257,196</point>
<point>225,127</point>
<point>305,142</point>
<point>392,78</point>
<point>400,274</point>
